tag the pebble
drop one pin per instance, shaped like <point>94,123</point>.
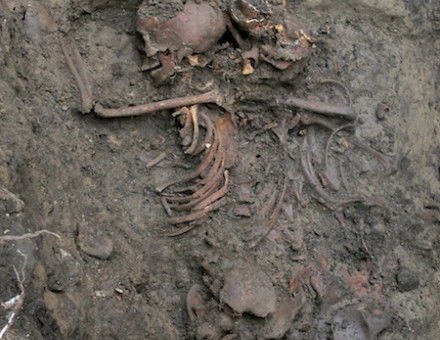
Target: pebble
<point>242,211</point>
<point>382,111</point>
<point>354,322</point>
<point>225,322</point>
<point>38,21</point>
<point>249,290</point>
<point>245,194</point>
<point>407,280</point>
<point>98,246</point>
<point>55,285</point>
<point>281,321</point>
<point>207,331</point>
<point>9,202</point>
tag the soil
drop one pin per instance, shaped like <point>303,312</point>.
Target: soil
<point>369,271</point>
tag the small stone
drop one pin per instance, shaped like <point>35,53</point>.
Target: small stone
<point>225,322</point>
<point>357,322</point>
<point>55,285</point>
<point>119,290</point>
<point>38,21</point>
<point>207,331</point>
<point>407,280</point>
<point>9,202</point>
<point>247,67</point>
<point>249,290</point>
<point>242,211</point>
<point>64,107</point>
<point>382,111</point>
<point>98,246</point>
<point>245,194</point>
<point>281,321</point>
<point>379,228</point>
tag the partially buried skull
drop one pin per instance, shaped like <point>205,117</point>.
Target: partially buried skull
<point>278,39</point>
<point>195,29</point>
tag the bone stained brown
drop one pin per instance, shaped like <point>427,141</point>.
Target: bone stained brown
<point>195,123</point>
<point>211,177</point>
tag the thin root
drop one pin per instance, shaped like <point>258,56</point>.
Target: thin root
<point>27,236</point>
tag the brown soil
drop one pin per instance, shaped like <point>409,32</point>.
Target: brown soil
<point>370,270</point>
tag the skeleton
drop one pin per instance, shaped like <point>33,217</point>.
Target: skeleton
<point>283,43</point>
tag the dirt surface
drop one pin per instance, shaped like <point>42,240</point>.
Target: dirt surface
<point>367,270</point>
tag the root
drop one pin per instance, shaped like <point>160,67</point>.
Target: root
<point>16,303</point>
<point>27,236</point>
